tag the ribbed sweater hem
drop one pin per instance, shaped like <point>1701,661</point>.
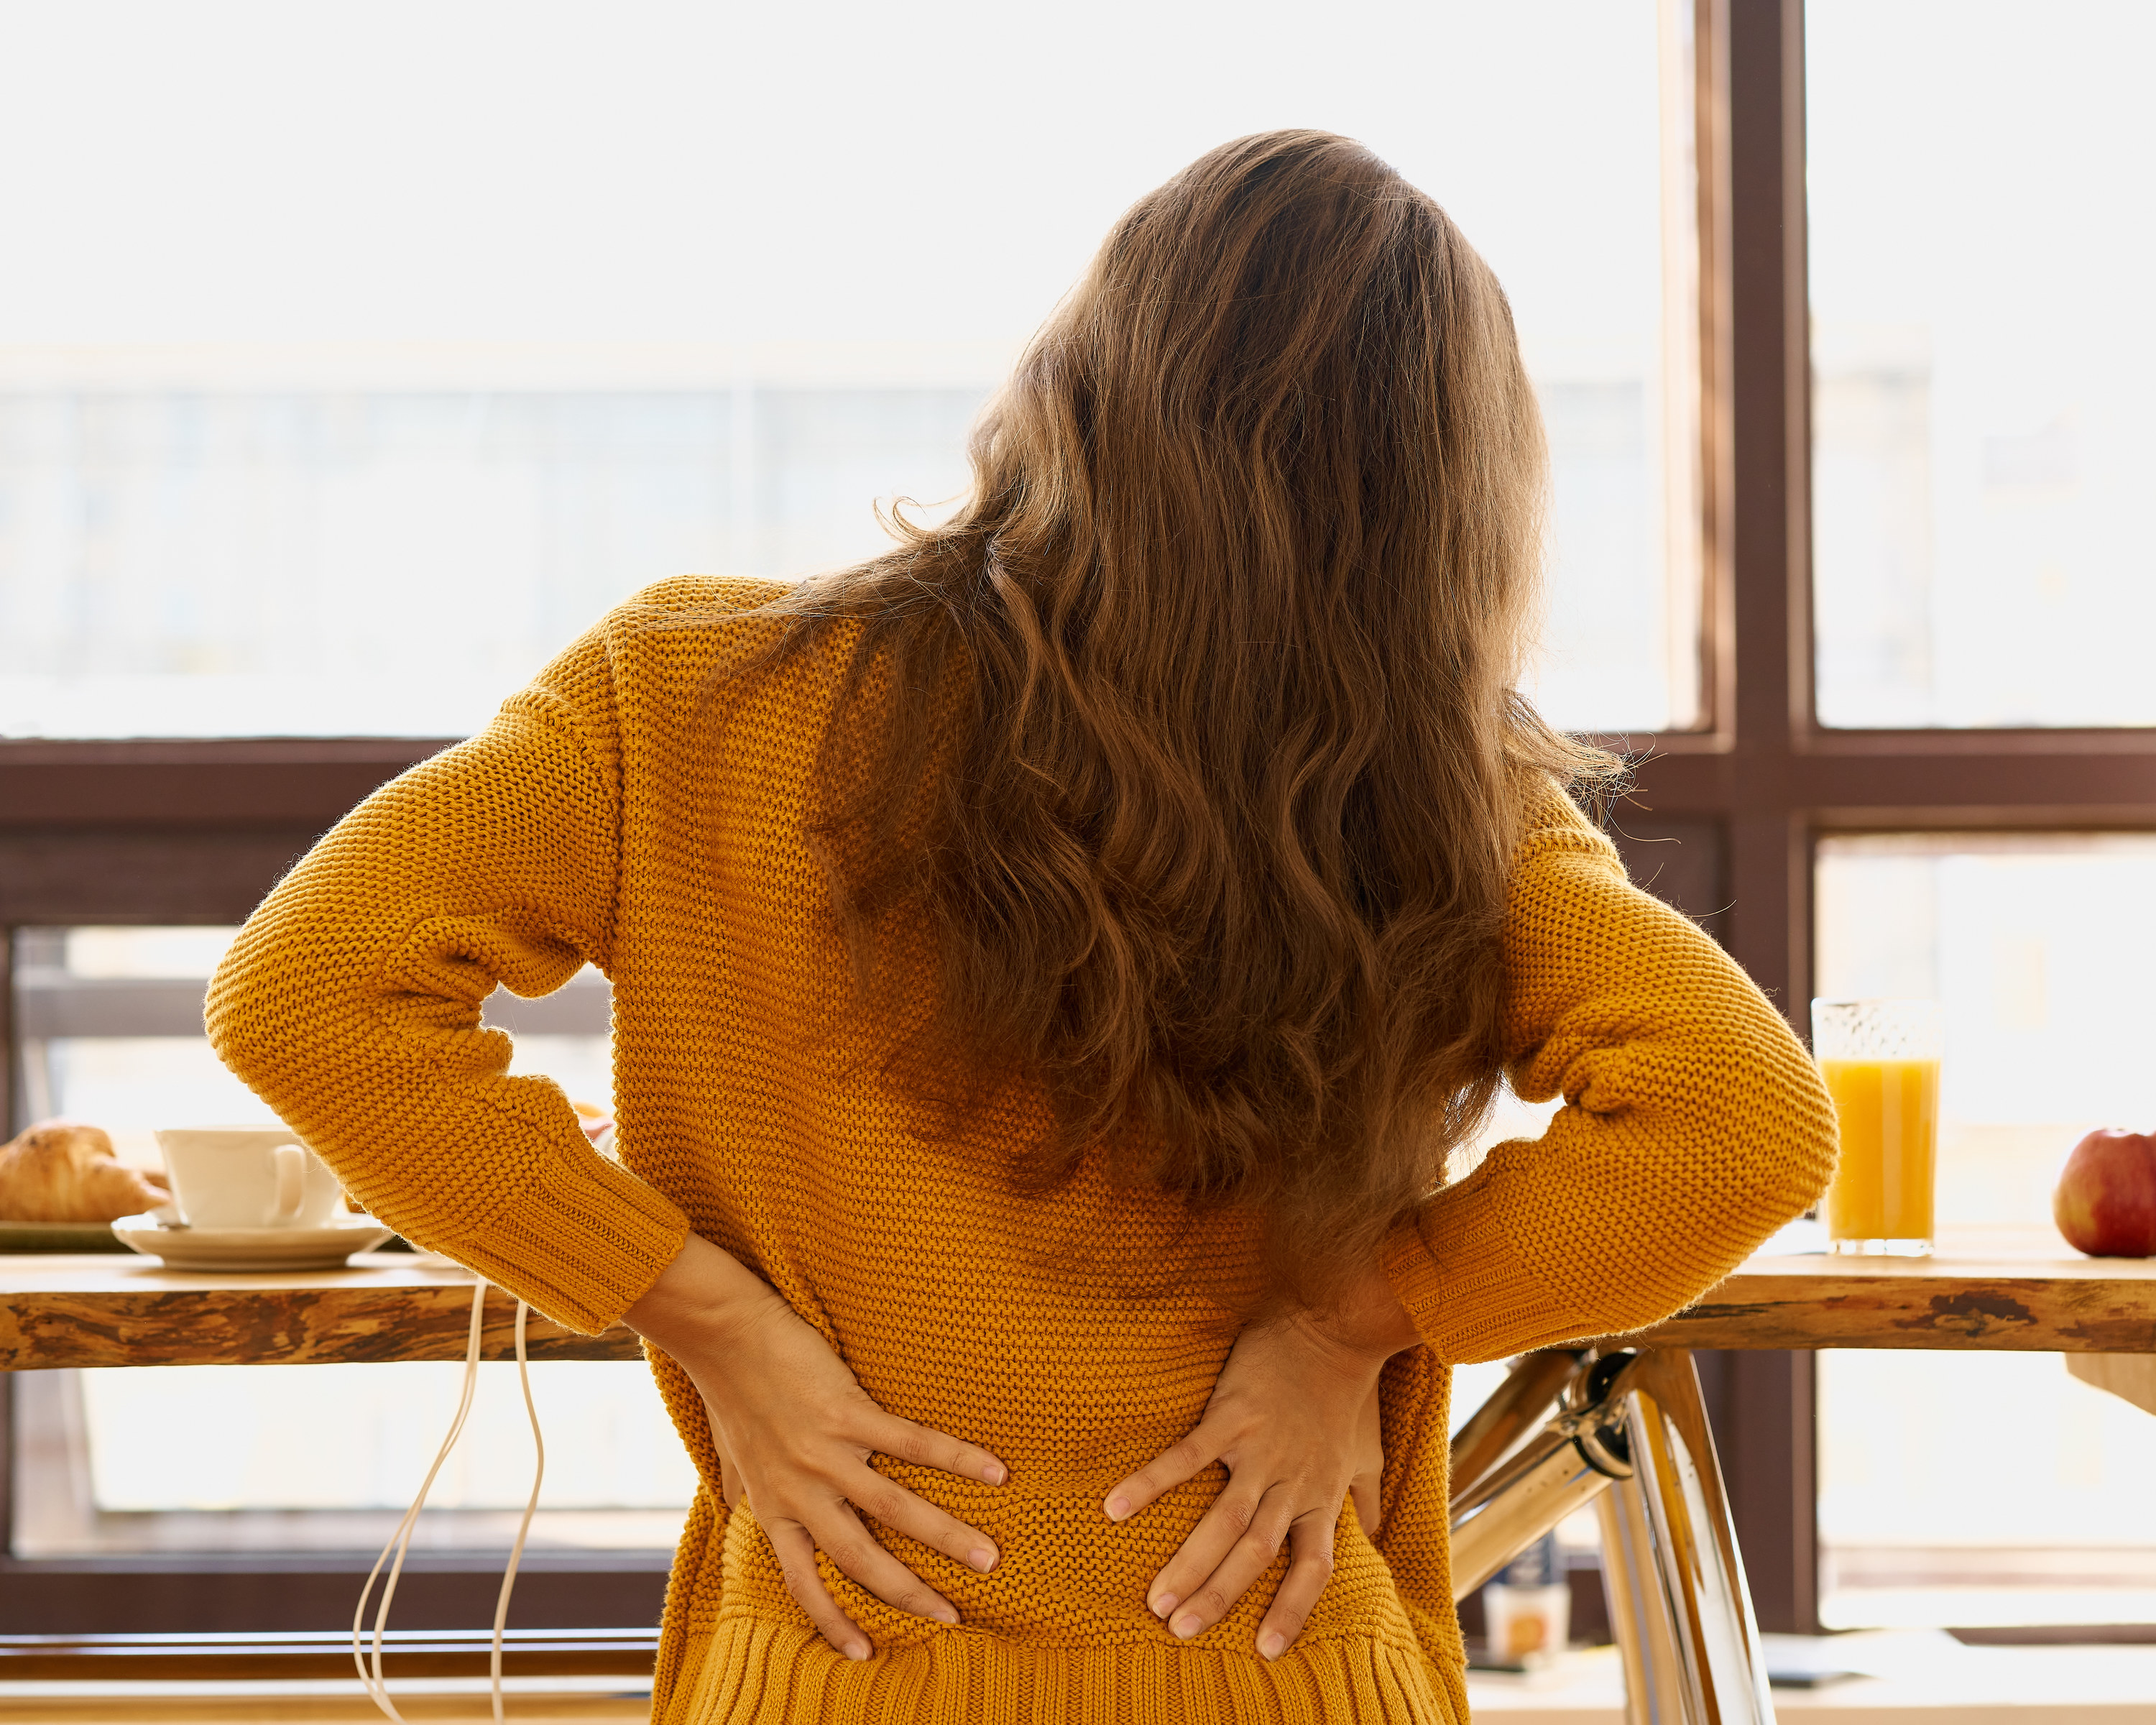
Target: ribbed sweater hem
<point>756,1673</point>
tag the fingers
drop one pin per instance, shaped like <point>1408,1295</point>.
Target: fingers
<point>1183,1461</point>
<point>1310,1568</point>
<point>1364,1491</point>
<point>892,1505</point>
<point>731,1486</point>
<point>796,1562</point>
<point>1368,1479</point>
<point>907,1441</point>
<point>1229,1519</point>
<point>1256,1539</point>
<point>847,1543</point>
<point>837,1532</point>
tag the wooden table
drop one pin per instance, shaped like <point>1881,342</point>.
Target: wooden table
<point>2012,1288</point>
<point>105,1310</point>
<point>2015,1289</point>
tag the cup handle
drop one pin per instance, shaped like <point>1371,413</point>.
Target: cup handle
<point>292,1184</point>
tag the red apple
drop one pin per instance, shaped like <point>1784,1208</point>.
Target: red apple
<point>2106,1200</point>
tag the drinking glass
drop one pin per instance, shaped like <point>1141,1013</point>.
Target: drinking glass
<point>1881,1061</point>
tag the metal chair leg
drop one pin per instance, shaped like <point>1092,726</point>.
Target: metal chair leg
<point>1640,1621</point>
<point>1678,1601</point>
<point>1565,1466</point>
<point>1679,1605</point>
<point>1514,1409</point>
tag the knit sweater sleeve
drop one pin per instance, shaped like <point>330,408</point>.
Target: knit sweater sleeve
<point>351,1002</point>
<point>1693,1124</point>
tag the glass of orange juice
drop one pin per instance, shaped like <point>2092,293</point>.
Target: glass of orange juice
<point>1881,1061</point>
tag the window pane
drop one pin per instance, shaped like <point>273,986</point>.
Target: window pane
<point>1982,360</point>
<point>266,1458</point>
<point>327,1458</point>
<point>362,467</point>
<point>2037,949</point>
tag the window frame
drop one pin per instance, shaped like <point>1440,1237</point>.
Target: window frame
<point>1763,782</point>
<point>175,831</point>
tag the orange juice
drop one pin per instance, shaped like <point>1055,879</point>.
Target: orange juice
<point>1890,1136</point>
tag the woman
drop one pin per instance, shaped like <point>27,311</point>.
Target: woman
<point>1052,964</point>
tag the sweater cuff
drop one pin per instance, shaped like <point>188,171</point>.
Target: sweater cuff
<point>1454,1268</point>
<point>583,1243</point>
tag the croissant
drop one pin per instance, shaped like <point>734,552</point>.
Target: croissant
<point>64,1171</point>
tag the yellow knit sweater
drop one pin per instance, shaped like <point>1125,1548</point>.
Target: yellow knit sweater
<point>613,813</point>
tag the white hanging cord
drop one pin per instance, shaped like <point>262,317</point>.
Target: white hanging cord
<point>530,1504</point>
<point>400,1542</point>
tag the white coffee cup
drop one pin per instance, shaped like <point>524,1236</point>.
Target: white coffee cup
<point>247,1177</point>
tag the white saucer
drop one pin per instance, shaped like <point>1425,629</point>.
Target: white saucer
<point>184,1248</point>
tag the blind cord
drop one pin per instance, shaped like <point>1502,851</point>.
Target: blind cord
<point>400,1542</point>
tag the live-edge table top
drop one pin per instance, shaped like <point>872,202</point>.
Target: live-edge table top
<point>2019,1289</point>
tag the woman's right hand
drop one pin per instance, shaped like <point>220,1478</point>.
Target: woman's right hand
<point>794,1424</point>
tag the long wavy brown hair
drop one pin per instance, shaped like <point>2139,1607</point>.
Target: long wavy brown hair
<point>1187,755</point>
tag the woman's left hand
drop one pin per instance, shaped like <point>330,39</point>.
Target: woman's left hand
<point>1294,1419</point>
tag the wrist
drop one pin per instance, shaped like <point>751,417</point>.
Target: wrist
<point>706,1294</point>
<point>1369,1322</point>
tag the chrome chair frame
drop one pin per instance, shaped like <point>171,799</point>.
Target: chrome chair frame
<point>1631,1438</point>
